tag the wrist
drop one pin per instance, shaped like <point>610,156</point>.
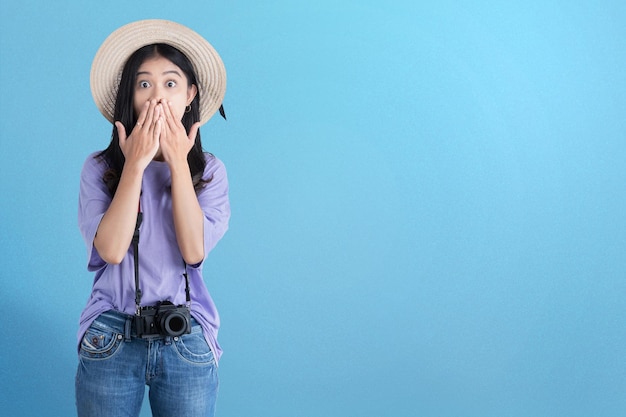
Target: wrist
<point>133,168</point>
<point>178,167</point>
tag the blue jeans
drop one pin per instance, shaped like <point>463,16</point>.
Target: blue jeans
<point>115,366</point>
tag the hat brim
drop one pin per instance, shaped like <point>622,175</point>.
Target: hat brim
<point>107,66</point>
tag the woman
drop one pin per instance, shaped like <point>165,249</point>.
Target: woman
<point>151,207</point>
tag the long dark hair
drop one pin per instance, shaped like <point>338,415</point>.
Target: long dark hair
<point>125,113</point>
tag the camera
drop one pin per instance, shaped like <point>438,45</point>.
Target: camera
<point>164,319</point>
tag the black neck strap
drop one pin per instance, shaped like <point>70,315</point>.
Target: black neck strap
<point>136,256</point>
<point>138,292</point>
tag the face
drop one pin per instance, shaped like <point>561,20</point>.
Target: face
<point>158,78</point>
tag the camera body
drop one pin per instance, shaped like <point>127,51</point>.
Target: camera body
<point>164,319</point>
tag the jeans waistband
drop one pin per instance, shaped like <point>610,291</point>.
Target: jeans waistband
<point>123,323</point>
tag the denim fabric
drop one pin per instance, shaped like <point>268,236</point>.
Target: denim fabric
<point>115,366</point>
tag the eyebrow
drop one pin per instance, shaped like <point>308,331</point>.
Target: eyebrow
<point>165,73</point>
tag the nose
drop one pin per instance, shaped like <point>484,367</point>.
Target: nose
<point>158,93</point>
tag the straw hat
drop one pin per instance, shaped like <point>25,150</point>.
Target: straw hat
<point>106,69</point>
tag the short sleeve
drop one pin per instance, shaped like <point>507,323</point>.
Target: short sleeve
<point>213,199</point>
<point>93,202</point>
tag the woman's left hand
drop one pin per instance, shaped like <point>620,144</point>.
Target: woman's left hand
<point>188,216</point>
<point>174,141</point>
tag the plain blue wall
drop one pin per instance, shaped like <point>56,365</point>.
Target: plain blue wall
<point>428,204</point>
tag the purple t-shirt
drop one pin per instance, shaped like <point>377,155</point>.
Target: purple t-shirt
<point>161,265</point>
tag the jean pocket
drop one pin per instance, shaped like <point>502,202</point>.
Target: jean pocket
<point>98,343</point>
<point>194,348</point>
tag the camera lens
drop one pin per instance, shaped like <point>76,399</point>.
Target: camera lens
<point>174,324</point>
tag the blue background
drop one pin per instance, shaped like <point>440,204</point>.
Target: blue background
<point>428,204</point>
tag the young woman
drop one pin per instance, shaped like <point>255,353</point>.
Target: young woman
<point>151,207</point>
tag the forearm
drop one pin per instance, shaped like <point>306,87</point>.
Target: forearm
<point>188,216</point>
<point>117,226</point>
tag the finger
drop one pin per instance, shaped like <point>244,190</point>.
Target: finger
<point>141,119</point>
<point>193,131</point>
<point>158,113</point>
<point>172,123</point>
<point>121,131</point>
<point>168,109</point>
<point>150,119</point>
<point>158,129</point>
<point>122,137</point>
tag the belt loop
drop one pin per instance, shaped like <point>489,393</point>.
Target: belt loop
<point>127,328</point>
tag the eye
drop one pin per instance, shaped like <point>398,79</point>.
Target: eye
<point>144,84</point>
<point>171,83</point>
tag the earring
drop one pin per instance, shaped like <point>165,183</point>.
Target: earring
<point>188,108</point>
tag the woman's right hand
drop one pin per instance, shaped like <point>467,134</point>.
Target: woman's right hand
<point>142,145</point>
<point>116,228</point>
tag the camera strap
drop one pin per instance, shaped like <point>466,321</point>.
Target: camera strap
<point>136,258</point>
<point>138,292</point>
